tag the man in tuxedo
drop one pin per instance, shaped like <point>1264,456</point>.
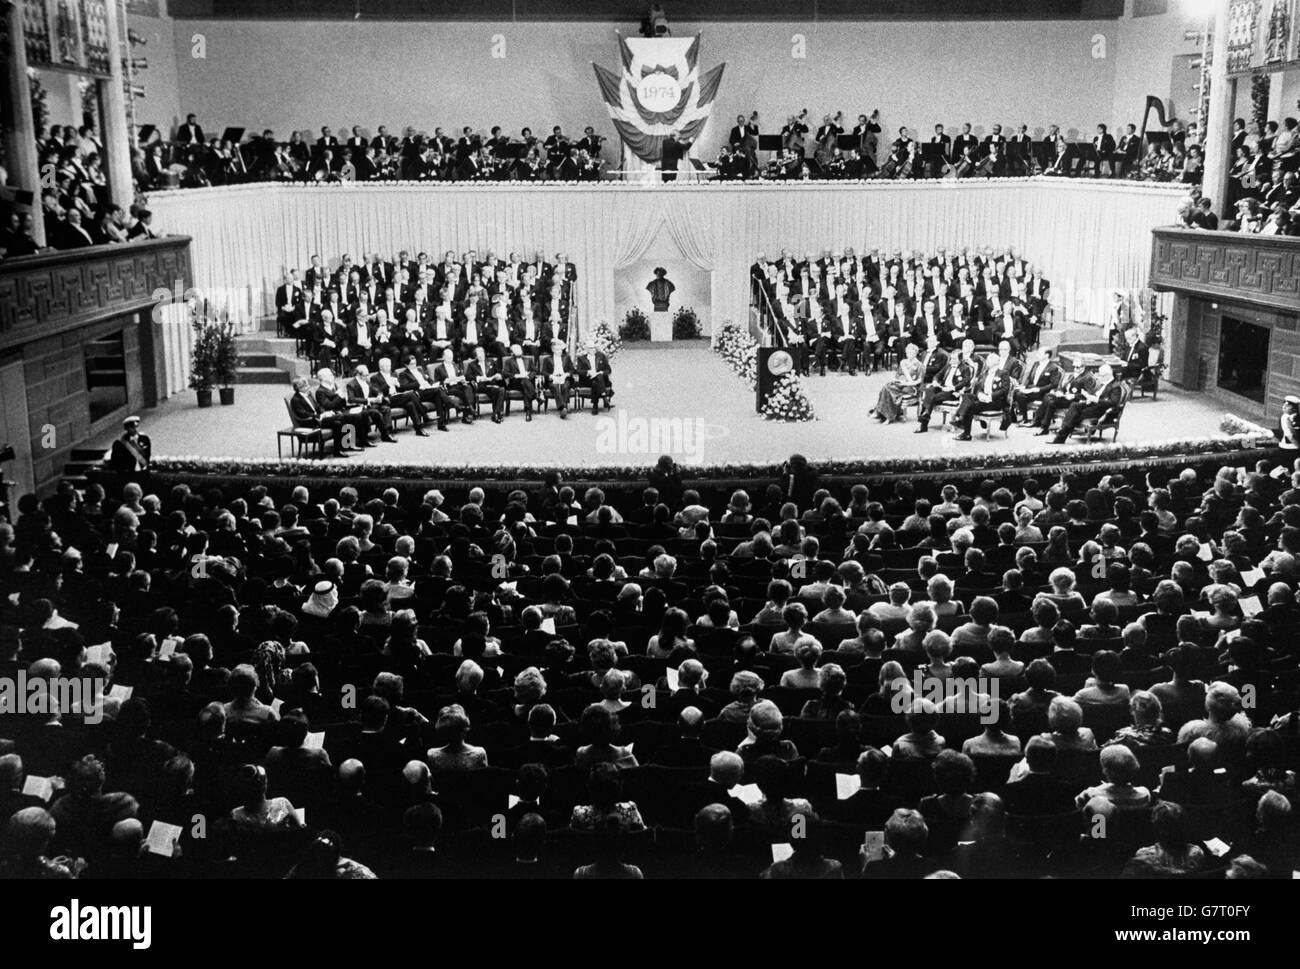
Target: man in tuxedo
<point>412,380</point>
<point>934,361</point>
<point>986,394</point>
<point>1104,143</point>
<point>1019,149</point>
<point>133,451</point>
<point>455,384</point>
<point>361,394</point>
<point>1135,360</point>
<point>951,385</point>
<point>330,409</point>
<point>559,373</point>
<point>190,133</point>
<point>672,151</point>
<point>964,142</point>
<point>74,234</point>
<point>941,139</point>
<point>520,376</point>
<point>487,379</point>
<point>1129,150</point>
<point>1107,398</point>
<point>1069,389</point>
<point>389,389</point>
<point>594,372</point>
<point>1041,375</point>
<point>287,297</point>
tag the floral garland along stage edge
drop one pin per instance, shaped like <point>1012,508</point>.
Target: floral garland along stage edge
<point>1075,455</point>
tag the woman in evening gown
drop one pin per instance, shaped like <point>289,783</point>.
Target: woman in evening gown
<point>902,390</point>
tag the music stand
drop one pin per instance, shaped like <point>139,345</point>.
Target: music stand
<point>233,135</point>
<point>145,134</point>
<point>1158,138</point>
<point>769,143</point>
<point>932,152</point>
<point>846,142</point>
<point>517,150</point>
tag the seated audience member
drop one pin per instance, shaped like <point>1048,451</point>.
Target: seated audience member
<point>906,840</point>
<point>606,790</point>
<point>1173,852</point>
<point>1119,769</point>
<point>921,741</point>
<point>1036,791</point>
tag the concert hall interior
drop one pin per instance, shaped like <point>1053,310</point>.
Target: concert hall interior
<point>678,439</point>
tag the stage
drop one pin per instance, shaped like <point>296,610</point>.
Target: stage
<point>684,401</point>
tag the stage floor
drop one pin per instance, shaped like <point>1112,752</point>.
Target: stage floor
<point>684,401</point>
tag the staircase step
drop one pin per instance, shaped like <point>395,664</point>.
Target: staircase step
<point>257,360</point>
<point>261,375</point>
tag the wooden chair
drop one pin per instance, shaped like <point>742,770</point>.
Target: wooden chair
<point>302,436</point>
<point>1095,427</point>
<point>1149,378</point>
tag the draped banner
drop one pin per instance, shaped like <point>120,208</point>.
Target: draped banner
<point>660,90</point>
<point>1090,237</point>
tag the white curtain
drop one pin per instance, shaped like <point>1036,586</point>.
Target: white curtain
<point>1089,236</point>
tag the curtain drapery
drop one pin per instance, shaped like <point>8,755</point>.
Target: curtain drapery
<point>1090,237</point>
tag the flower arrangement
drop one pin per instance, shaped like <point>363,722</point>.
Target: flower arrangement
<point>788,401</point>
<point>1234,425</point>
<point>686,324</point>
<point>739,351</point>
<point>636,326</point>
<point>605,339</point>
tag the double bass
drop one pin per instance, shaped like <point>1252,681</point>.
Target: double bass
<point>825,150</point>
<point>792,137</point>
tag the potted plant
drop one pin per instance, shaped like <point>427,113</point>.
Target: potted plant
<point>203,361</point>
<point>636,326</point>
<point>686,324</point>
<point>225,360</point>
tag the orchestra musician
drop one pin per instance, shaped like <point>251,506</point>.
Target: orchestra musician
<point>939,165</point>
<point>867,132</point>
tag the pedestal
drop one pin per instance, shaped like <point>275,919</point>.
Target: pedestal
<point>661,326</point>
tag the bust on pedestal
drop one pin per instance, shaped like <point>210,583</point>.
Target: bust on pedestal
<point>661,291</point>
